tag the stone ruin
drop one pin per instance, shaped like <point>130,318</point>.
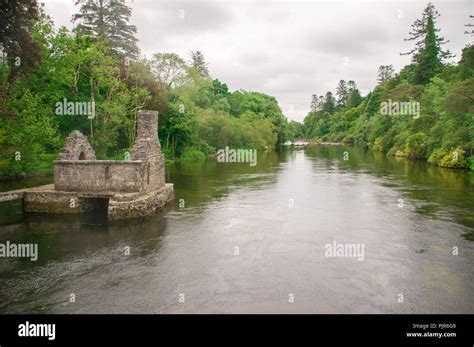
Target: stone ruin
<point>125,188</point>
<point>77,147</point>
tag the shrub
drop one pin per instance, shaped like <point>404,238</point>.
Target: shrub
<point>399,153</point>
<point>192,154</point>
<point>454,159</point>
<point>437,156</point>
<point>415,147</point>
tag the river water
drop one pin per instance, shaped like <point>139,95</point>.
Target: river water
<point>243,239</point>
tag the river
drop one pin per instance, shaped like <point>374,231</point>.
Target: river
<point>253,239</point>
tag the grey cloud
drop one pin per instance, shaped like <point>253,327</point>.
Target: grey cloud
<point>289,50</point>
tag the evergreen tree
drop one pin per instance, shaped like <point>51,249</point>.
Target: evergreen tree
<point>199,63</point>
<point>329,104</point>
<point>108,20</point>
<point>427,54</point>
<point>314,103</point>
<point>470,25</point>
<point>342,93</point>
<point>353,98</point>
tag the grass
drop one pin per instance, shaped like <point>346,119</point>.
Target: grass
<point>192,154</point>
<point>45,163</point>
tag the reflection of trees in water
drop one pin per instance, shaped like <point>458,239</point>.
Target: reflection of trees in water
<point>436,189</point>
<point>11,212</point>
<point>199,182</point>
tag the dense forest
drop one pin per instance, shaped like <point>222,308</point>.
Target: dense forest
<point>442,132</point>
<point>99,62</point>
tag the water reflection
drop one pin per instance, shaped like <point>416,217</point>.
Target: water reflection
<point>241,239</point>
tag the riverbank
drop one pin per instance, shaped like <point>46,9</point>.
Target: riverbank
<point>44,174</point>
<point>453,159</point>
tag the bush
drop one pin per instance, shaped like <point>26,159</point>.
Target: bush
<point>192,154</point>
<point>380,143</point>
<point>399,153</point>
<point>455,159</point>
<point>437,156</point>
<point>415,146</point>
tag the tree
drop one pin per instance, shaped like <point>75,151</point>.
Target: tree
<point>169,68</point>
<point>354,98</point>
<point>386,73</point>
<point>108,20</point>
<point>199,63</point>
<point>469,25</point>
<point>329,105</point>
<point>427,54</point>
<point>219,88</point>
<point>314,103</point>
<point>295,130</point>
<point>17,19</point>
<point>342,93</point>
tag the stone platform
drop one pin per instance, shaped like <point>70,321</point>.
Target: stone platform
<point>45,199</point>
<point>139,205</point>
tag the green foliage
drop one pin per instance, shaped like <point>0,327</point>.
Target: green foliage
<point>247,131</point>
<point>192,154</point>
<point>454,159</point>
<point>107,21</point>
<point>437,156</point>
<point>446,118</point>
<point>197,114</point>
<point>199,63</point>
<point>427,54</point>
<point>295,130</point>
<point>415,146</point>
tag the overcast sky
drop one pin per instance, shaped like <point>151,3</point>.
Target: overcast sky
<point>286,49</point>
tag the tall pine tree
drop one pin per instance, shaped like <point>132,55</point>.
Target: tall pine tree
<point>342,92</point>
<point>427,55</point>
<point>199,63</point>
<point>108,20</point>
<point>314,103</point>
<point>353,95</point>
<point>329,104</point>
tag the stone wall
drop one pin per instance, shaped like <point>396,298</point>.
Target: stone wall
<point>130,188</point>
<point>99,175</point>
<point>55,202</point>
<point>78,170</point>
<point>77,147</point>
<point>148,149</point>
<point>141,206</point>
